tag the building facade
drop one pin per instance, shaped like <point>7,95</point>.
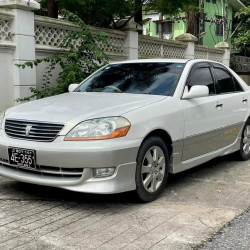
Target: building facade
<point>211,32</point>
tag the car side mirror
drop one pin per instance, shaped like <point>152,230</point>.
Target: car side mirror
<point>72,87</point>
<point>196,91</point>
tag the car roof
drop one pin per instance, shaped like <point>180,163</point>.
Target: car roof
<point>164,60</point>
<point>153,60</point>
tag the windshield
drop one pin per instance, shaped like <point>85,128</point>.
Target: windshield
<point>135,78</point>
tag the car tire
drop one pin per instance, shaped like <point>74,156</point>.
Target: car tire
<point>244,152</point>
<point>152,169</point>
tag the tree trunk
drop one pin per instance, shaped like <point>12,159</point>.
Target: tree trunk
<point>191,22</point>
<point>160,24</point>
<point>53,8</point>
<point>133,15</point>
<point>138,14</point>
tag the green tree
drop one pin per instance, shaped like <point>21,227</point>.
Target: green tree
<point>105,13</point>
<point>246,2</point>
<point>79,56</point>
<point>241,40</point>
<point>172,6</point>
<point>101,13</point>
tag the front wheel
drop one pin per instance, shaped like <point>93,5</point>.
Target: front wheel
<point>152,169</point>
<point>244,152</point>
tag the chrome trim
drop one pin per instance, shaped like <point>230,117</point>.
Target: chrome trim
<point>46,170</point>
<point>32,130</point>
<point>34,121</point>
<point>214,130</point>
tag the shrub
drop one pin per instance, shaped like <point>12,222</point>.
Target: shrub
<point>79,56</point>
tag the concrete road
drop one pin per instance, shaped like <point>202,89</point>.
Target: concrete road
<point>195,205</point>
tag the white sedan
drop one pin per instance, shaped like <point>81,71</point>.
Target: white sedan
<point>127,126</point>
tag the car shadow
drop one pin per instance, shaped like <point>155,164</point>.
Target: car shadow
<point>36,192</point>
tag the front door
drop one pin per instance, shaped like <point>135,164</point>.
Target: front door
<point>203,116</point>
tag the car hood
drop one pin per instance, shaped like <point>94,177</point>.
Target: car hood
<point>80,106</point>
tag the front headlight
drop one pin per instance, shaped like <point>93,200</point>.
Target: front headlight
<point>99,129</point>
<point>1,118</point>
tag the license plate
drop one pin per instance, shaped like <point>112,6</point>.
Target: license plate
<point>22,157</point>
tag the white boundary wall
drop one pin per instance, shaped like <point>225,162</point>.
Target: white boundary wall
<point>25,37</point>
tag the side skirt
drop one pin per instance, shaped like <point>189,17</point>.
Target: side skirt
<point>176,168</point>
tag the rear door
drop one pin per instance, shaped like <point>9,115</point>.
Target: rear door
<point>235,102</point>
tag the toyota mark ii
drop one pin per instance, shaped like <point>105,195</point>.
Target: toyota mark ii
<point>127,126</point>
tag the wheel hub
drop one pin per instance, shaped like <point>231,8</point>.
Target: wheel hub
<point>246,140</point>
<point>153,169</point>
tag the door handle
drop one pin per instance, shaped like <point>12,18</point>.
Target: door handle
<point>244,100</point>
<point>219,105</point>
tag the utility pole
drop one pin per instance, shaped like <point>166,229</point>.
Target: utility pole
<point>202,21</point>
<point>225,22</point>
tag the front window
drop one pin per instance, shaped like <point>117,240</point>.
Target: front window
<point>135,78</point>
<point>202,76</point>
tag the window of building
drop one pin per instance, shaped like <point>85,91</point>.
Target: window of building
<point>167,28</point>
<point>219,26</point>
<point>204,23</point>
<point>213,1</point>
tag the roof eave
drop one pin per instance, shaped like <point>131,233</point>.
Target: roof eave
<point>237,4</point>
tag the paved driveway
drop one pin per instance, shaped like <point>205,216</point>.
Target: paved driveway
<point>196,204</point>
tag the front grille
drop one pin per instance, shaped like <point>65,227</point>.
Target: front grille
<point>63,173</point>
<point>38,131</point>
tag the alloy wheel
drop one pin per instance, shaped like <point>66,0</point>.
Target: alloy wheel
<point>246,140</point>
<point>153,169</point>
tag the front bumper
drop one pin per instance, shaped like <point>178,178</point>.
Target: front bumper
<point>119,153</point>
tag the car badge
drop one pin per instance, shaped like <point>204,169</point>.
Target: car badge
<point>27,130</point>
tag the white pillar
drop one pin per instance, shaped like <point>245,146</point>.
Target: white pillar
<point>189,51</point>
<point>190,40</point>
<point>24,38</point>
<point>226,56</point>
<point>131,45</point>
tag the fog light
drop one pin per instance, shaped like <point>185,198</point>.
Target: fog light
<point>103,172</point>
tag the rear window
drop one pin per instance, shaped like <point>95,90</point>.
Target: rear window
<point>135,78</point>
<point>225,81</point>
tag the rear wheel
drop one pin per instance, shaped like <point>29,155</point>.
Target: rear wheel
<point>152,169</point>
<point>244,152</point>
